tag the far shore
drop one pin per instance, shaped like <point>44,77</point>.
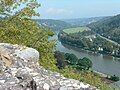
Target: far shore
<point>96,52</point>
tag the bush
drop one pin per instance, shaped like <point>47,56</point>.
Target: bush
<point>60,59</point>
<point>84,64</point>
<point>71,58</point>
<point>114,78</point>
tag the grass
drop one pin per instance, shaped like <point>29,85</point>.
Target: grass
<point>86,77</point>
<point>75,30</point>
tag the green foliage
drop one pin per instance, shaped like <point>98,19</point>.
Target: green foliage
<point>71,58</point>
<point>84,64</point>
<point>71,70</point>
<point>108,27</point>
<point>26,32</point>
<point>114,78</point>
<point>55,25</point>
<point>80,64</point>
<point>88,40</point>
<point>18,28</point>
<point>13,7</point>
<point>60,58</point>
<point>87,77</point>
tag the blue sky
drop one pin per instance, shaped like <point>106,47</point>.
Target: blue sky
<point>66,9</point>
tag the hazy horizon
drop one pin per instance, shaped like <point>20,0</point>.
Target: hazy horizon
<point>70,9</point>
<point>73,17</point>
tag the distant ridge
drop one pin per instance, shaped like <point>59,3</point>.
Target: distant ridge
<point>83,21</point>
<point>55,25</point>
<point>108,27</point>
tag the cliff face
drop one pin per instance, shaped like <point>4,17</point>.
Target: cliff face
<point>20,71</point>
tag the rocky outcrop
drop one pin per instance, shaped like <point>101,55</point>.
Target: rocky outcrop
<point>19,70</point>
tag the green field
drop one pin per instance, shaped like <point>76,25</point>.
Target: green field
<point>75,30</point>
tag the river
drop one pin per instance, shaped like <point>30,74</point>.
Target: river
<point>105,64</point>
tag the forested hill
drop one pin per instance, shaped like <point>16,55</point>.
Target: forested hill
<point>55,25</point>
<point>82,21</point>
<point>108,27</point>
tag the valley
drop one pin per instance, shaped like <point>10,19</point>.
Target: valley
<point>59,45</point>
<point>105,64</point>
<point>91,34</point>
<point>84,41</point>
<point>101,63</point>
<point>101,57</point>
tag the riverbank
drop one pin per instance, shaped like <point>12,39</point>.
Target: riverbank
<point>104,77</point>
<point>107,65</point>
<point>113,84</point>
<point>93,43</point>
<point>90,51</point>
<point>101,63</point>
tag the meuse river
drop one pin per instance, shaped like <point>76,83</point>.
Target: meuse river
<point>105,64</point>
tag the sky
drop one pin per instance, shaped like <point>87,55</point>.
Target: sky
<point>68,9</point>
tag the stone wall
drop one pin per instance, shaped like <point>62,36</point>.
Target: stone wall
<point>20,71</point>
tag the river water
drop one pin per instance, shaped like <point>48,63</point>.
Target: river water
<point>105,64</point>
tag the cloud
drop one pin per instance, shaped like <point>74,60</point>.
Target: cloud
<point>56,11</point>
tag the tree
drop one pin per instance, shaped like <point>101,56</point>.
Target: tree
<point>71,58</point>
<point>15,8</point>
<point>17,27</point>
<point>84,64</point>
<point>60,59</point>
<point>114,78</point>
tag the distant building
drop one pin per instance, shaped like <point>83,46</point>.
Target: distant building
<point>100,49</point>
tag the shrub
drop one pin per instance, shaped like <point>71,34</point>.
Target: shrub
<point>114,78</point>
<point>60,59</point>
<point>84,64</point>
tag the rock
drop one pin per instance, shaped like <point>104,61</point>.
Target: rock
<point>20,71</point>
<point>5,57</point>
<point>28,54</point>
<point>2,81</point>
<point>46,86</point>
<point>56,87</point>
